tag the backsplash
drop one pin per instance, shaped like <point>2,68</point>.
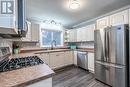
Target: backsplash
<point>89,44</point>
<point>27,44</point>
<point>6,43</point>
<point>85,44</point>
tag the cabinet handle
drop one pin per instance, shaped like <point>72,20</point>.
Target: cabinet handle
<point>57,55</point>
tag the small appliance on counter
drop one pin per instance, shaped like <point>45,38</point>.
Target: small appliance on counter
<point>72,46</point>
<point>7,64</point>
<point>16,48</point>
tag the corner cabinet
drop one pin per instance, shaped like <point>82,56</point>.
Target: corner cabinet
<point>46,58</point>
<point>119,18</point>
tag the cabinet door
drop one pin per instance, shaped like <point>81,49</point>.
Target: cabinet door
<point>102,23</point>
<point>78,34</point>
<point>119,18</point>
<point>91,61</point>
<point>72,35</point>
<point>75,57</point>
<point>66,36</point>
<point>56,60</point>
<point>68,59</point>
<point>7,17</point>
<point>46,58</point>
<point>83,34</point>
<point>92,28</point>
<point>35,34</point>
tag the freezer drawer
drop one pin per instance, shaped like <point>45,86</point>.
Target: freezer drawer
<point>110,74</point>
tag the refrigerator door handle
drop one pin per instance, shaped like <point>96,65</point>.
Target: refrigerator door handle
<point>105,44</point>
<point>108,38</point>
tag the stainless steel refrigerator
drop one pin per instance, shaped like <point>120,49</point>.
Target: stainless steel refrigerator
<point>111,55</point>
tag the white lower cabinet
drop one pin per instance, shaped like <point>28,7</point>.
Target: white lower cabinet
<point>68,58</point>
<point>91,62</point>
<point>56,60</point>
<point>43,83</point>
<point>75,58</point>
<point>46,58</point>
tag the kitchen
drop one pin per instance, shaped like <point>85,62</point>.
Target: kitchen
<point>64,43</point>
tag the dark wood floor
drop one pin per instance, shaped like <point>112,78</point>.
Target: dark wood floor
<point>75,77</point>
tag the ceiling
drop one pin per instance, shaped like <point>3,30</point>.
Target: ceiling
<point>59,11</point>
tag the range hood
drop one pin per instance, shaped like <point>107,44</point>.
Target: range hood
<point>11,33</point>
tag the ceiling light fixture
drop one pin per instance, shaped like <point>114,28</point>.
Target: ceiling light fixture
<point>74,4</point>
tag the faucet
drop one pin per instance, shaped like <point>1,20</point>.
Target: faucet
<point>53,43</point>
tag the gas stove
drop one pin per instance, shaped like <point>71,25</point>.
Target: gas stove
<point>18,63</point>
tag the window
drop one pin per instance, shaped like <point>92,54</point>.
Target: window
<point>48,36</point>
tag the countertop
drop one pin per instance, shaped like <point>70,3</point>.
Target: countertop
<point>29,75</point>
<point>57,50</point>
<point>25,76</point>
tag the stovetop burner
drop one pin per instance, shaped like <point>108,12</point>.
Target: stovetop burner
<point>18,63</point>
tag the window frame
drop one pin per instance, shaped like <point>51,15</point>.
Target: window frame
<point>51,30</point>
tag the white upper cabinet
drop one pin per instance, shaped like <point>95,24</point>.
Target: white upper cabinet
<point>79,34</point>
<point>35,31</point>
<point>90,32</point>
<point>46,58</point>
<point>86,33</point>
<point>119,18</point>
<point>102,23</point>
<point>72,35</point>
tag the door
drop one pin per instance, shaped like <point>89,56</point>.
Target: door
<point>117,44</point>
<point>99,45</point>
<point>111,74</point>
<point>103,73</point>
